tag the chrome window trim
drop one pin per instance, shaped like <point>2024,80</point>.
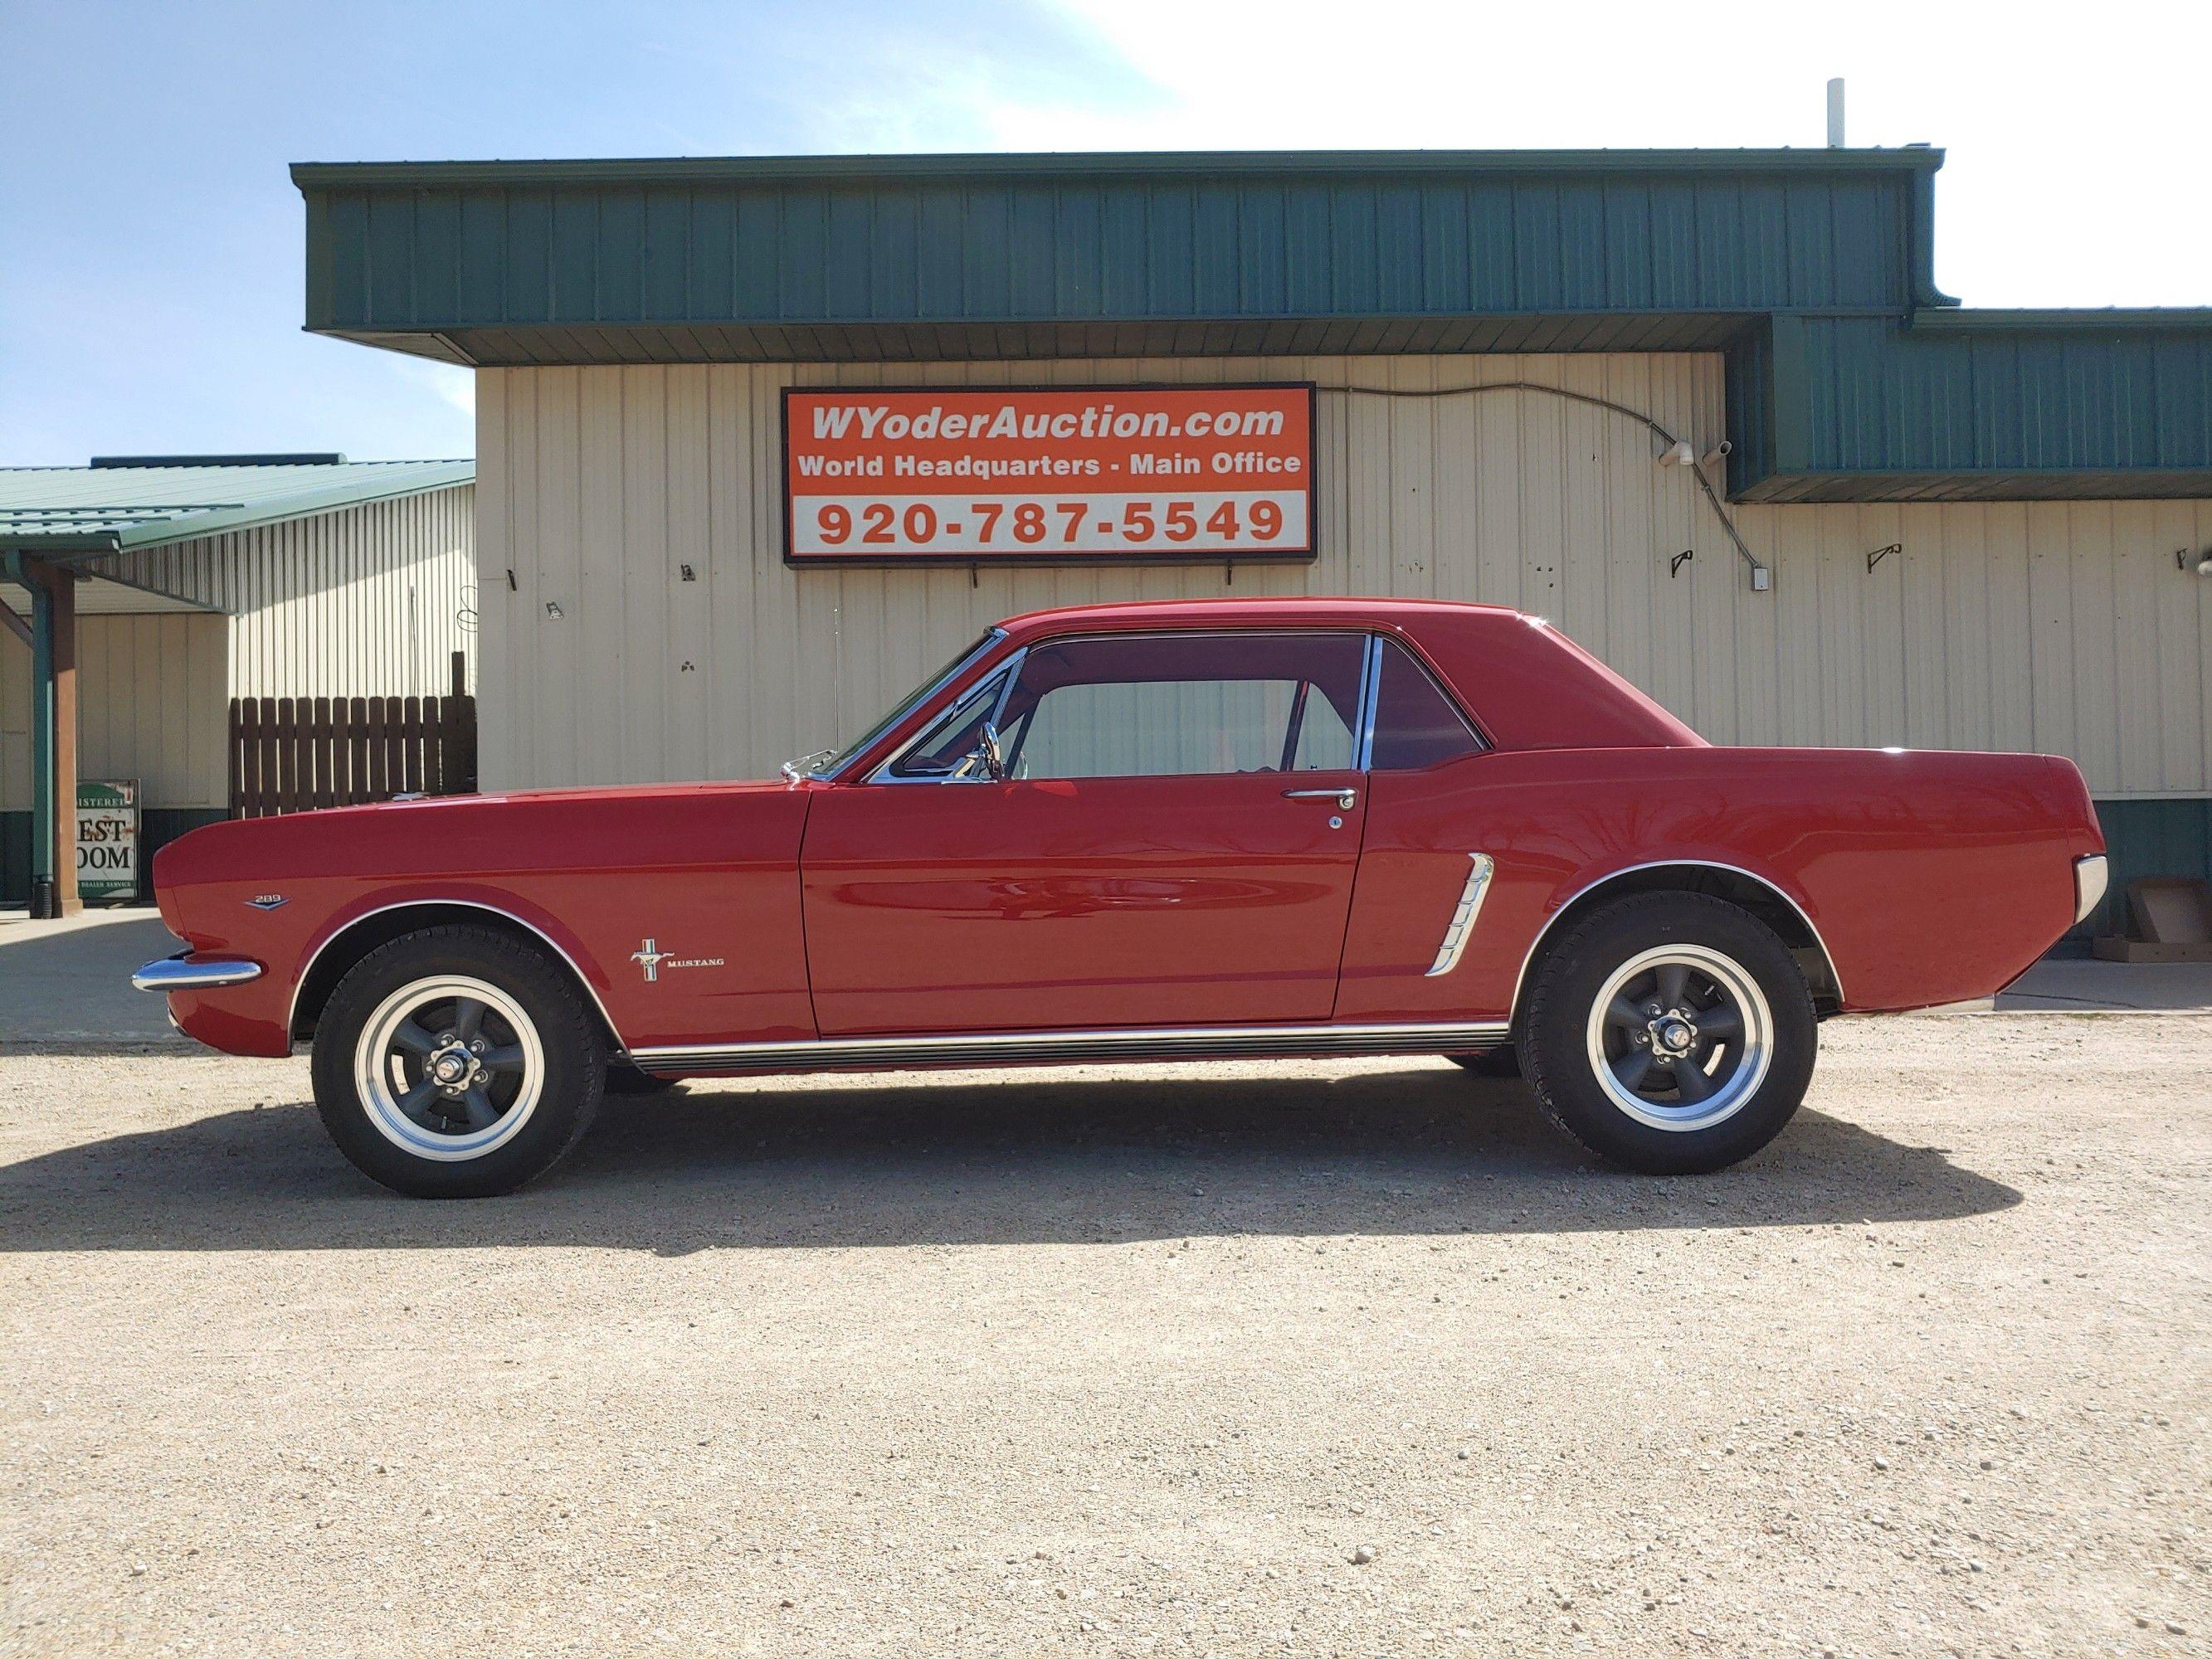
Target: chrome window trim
<point>1129,1043</point>
<point>1521,979</point>
<point>179,972</point>
<point>2092,875</point>
<point>1370,695</point>
<point>307,967</point>
<point>1005,673</point>
<point>1481,867</point>
<point>993,637</point>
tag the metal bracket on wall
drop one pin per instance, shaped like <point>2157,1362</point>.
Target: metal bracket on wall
<point>1674,564</point>
<point>1882,553</point>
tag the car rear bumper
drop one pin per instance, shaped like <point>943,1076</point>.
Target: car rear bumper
<point>2090,876</point>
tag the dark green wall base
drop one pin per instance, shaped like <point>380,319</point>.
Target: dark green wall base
<point>2146,838</point>
<point>157,827</point>
<point>2149,838</point>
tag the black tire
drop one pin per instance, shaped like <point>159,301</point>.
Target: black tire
<point>1748,1104</point>
<point>561,1050</point>
<point>1503,1061</point>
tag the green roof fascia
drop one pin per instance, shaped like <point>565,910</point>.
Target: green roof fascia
<point>2115,319</point>
<point>1992,404</point>
<point>1977,484</point>
<point>413,255</point>
<point>1131,164</point>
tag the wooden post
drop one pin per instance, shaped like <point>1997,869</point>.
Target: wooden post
<point>53,739</point>
<point>67,902</point>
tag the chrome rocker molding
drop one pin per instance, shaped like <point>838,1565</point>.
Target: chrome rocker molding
<point>307,967</point>
<point>1521,979</point>
<point>1137,1044</point>
<point>180,973</point>
<point>1463,922</point>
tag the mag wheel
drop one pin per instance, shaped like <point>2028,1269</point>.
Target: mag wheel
<point>1672,1033</point>
<point>456,1062</point>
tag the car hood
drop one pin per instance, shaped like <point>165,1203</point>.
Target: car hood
<point>490,836</point>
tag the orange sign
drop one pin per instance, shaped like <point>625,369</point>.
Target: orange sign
<point>1195,474</point>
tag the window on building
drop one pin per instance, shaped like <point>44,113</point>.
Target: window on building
<point>1415,723</point>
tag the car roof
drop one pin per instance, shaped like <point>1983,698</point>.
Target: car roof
<point>1527,683</point>
<point>1306,610</point>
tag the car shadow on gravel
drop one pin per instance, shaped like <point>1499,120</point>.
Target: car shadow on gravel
<point>1420,1149</point>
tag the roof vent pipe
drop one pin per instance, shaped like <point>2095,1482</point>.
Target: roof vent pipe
<point>1836,113</point>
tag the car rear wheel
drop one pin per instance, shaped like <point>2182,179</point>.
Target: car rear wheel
<point>1672,1033</point>
<point>456,1062</point>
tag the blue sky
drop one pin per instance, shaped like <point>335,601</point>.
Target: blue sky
<point>150,242</point>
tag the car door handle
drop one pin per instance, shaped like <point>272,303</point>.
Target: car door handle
<point>1346,799</point>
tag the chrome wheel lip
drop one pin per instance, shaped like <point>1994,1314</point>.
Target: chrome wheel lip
<point>372,1079</point>
<point>1746,1068</point>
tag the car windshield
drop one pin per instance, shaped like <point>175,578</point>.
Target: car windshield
<point>824,765</point>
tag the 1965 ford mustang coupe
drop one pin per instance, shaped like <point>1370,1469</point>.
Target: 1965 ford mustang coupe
<point>1144,832</point>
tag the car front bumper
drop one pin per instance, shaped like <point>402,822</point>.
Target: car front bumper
<point>187,972</point>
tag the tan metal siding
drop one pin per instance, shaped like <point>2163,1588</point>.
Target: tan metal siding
<point>367,601</point>
<point>150,706</point>
<point>2048,625</point>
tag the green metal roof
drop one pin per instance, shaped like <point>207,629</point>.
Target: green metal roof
<point>1850,376</point>
<point>112,507</point>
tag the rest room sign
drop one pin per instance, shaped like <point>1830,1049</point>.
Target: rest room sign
<point>1091,475</point>
<point>107,838</point>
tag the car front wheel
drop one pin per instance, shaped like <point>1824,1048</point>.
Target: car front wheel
<point>456,1062</point>
<point>1672,1033</point>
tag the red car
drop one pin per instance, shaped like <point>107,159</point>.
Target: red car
<point>1212,830</point>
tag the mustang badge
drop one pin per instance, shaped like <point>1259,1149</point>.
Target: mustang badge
<point>650,957</point>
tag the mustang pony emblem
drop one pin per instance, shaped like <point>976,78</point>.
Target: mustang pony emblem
<point>650,957</point>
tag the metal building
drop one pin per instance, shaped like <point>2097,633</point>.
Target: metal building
<point>1707,411</point>
<point>144,598</point>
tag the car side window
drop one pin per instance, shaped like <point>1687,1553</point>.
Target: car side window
<point>1181,704</point>
<point>1416,725</point>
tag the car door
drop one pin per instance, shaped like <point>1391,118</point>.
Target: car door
<point>1171,841</point>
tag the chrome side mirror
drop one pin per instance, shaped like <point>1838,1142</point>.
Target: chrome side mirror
<point>987,759</point>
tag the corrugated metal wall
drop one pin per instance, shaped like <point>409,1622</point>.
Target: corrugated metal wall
<point>152,707</point>
<point>368,601</point>
<point>2058,626</point>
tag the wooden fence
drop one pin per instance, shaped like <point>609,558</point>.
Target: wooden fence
<point>295,754</point>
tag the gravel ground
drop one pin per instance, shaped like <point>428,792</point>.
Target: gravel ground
<point>1351,1359</point>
